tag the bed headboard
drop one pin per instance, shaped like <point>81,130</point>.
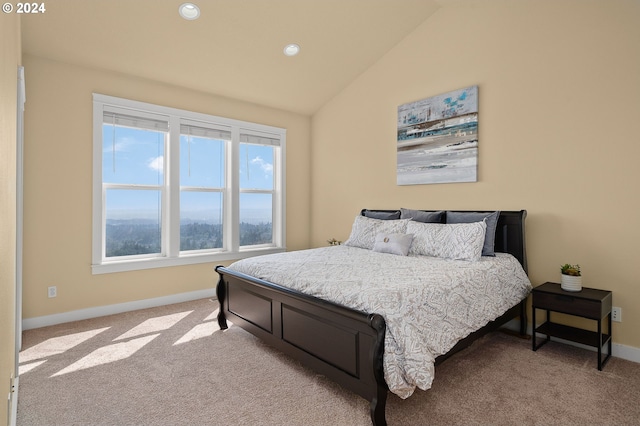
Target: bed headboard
<point>509,231</point>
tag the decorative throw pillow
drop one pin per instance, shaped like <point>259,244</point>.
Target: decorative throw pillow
<point>382,215</point>
<point>492,224</point>
<point>365,229</point>
<point>420,216</point>
<point>459,241</point>
<point>393,243</point>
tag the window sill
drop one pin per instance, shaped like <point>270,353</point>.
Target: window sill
<point>162,262</point>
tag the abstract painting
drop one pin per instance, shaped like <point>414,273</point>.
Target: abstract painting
<point>438,139</point>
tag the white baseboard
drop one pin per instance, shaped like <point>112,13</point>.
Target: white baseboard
<point>629,353</point>
<point>618,350</point>
<point>625,352</point>
<point>100,311</point>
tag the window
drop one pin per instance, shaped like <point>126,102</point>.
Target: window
<point>174,187</point>
<point>202,187</point>
<point>257,189</point>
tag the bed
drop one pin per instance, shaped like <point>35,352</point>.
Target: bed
<point>347,341</point>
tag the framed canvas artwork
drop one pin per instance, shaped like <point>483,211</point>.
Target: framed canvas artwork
<point>438,139</point>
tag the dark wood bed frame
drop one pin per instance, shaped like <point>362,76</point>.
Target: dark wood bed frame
<point>345,345</point>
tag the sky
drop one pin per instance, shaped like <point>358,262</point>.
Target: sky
<point>135,156</point>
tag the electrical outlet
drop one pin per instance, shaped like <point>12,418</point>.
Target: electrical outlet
<point>616,314</point>
<point>52,291</point>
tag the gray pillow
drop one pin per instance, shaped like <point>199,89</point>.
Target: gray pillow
<point>458,241</point>
<point>492,224</point>
<point>382,215</point>
<point>393,243</point>
<point>420,216</point>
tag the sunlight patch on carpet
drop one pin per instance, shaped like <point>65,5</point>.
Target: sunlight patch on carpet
<point>213,316</point>
<point>108,354</point>
<point>154,325</point>
<point>58,345</point>
<point>198,332</point>
<point>25,368</point>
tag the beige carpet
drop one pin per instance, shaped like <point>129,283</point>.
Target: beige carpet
<point>172,366</point>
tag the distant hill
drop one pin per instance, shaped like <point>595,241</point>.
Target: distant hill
<point>128,237</point>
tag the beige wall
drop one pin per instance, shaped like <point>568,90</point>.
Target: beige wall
<point>558,87</point>
<point>58,184</point>
<point>559,94</point>
<point>9,62</point>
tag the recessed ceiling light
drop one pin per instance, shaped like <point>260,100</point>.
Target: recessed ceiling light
<point>189,11</point>
<point>291,49</point>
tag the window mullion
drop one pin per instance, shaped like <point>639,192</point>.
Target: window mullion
<point>201,189</point>
<point>173,188</point>
<point>232,198</point>
<point>279,213</point>
<point>275,200</point>
<point>131,186</point>
<point>103,224</point>
<point>98,197</point>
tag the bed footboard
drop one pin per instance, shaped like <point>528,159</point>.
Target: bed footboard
<point>345,345</point>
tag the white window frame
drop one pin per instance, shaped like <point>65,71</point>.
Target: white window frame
<point>171,254</point>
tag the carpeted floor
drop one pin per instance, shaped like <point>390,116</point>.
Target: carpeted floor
<point>173,366</point>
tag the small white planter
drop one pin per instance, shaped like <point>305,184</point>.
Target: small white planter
<point>571,283</point>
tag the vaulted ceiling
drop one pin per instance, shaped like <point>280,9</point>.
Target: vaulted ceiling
<point>235,48</point>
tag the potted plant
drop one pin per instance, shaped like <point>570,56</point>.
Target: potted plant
<point>571,277</point>
<point>334,242</point>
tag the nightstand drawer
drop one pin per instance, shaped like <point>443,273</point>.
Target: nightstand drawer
<point>568,304</point>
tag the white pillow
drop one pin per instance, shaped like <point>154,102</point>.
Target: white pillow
<point>393,243</point>
<point>459,241</point>
<point>365,229</point>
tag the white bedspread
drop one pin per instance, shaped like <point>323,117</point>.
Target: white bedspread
<point>428,303</point>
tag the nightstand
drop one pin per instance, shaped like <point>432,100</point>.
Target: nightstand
<point>589,303</point>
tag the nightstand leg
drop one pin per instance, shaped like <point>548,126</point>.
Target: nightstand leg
<point>523,319</point>
<point>600,345</point>
<point>534,340</point>
<point>610,331</point>
<point>609,344</point>
<point>533,328</point>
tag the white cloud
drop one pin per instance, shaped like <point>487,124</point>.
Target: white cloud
<point>266,167</point>
<point>156,163</point>
<point>122,145</point>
